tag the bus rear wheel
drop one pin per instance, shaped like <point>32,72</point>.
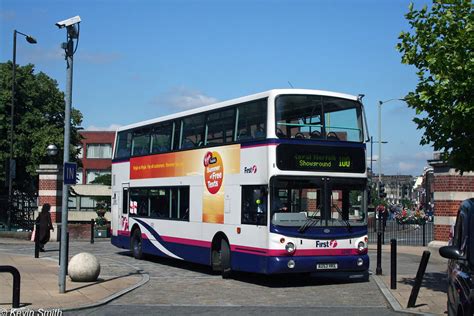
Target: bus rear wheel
<point>225,259</point>
<point>221,259</point>
<point>136,244</point>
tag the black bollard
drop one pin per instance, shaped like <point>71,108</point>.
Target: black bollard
<point>378,270</point>
<point>16,287</point>
<point>393,264</point>
<point>37,246</point>
<point>92,231</point>
<point>419,278</point>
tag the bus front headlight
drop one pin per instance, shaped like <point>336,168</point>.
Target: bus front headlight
<point>290,247</point>
<point>361,247</point>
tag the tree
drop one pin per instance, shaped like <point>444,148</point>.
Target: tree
<point>38,122</point>
<point>103,202</point>
<point>440,46</point>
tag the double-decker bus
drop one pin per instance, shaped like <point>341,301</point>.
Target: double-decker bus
<point>274,182</point>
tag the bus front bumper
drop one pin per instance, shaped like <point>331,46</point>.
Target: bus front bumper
<point>324,265</point>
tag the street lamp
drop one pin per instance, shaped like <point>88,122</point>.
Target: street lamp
<point>11,163</point>
<point>52,151</point>
<point>380,134</point>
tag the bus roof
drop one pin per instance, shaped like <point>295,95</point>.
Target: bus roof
<point>243,99</point>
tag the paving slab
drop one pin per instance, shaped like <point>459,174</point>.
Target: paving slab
<point>39,287</point>
<point>432,297</point>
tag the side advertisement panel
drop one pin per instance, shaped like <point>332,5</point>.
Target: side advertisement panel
<point>211,164</point>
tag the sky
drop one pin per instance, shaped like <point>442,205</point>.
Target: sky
<point>137,60</point>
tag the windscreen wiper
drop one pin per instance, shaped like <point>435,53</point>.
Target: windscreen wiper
<point>346,221</point>
<point>309,222</point>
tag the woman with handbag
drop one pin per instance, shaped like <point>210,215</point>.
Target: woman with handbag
<point>45,225</point>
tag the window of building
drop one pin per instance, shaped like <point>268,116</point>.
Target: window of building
<point>99,151</point>
<point>79,175</point>
<point>254,204</point>
<point>87,203</point>
<point>93,174</point>
<point>252,118</point>
<point>80,154</point>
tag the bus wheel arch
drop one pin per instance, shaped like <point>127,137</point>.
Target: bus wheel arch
<point>221,255</point>
<point>136,243</point>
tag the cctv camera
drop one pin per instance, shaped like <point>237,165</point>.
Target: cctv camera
<point>69,22</point>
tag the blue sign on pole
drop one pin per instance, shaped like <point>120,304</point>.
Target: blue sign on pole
<point>70,170</point>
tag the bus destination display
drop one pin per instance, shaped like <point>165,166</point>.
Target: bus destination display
<point>320,158</point>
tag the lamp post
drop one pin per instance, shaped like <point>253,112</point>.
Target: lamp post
<point>11,163</point>
<point>380,133</point>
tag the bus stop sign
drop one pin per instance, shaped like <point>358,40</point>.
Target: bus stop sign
<point>70,170</point>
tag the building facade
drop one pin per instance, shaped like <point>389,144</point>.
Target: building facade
<point>96,160</point>
<point>398,188</point>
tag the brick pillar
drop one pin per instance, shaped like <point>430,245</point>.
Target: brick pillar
<point>50,191</point>
<point>450,189</point>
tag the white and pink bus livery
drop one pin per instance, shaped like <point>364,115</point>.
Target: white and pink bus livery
<point>274,182</point>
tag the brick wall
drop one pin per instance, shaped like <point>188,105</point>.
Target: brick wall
<point>441,232</point>
<point>453,183</point>
<point>50,190</point>
<point>450,189</point>
<point>446,208</point>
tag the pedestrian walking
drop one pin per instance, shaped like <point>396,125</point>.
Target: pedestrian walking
<point>45,225</point>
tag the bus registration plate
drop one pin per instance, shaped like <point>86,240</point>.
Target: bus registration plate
<point>326,266</point>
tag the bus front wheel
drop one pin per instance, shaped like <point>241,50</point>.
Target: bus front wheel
<point>136,244</point>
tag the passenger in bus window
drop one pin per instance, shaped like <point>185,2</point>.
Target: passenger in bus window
<point>279,205</point>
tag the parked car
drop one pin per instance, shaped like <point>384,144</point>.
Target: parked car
<point>460,253</point>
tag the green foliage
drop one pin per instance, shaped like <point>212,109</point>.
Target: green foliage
<point>105,179</point>
<point>440,45</point>
<point>102,202</point>
<point>407,203</point>
<point>38,122</point>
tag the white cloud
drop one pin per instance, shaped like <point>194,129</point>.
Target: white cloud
<point>424,155</point>
<point>112,127</point>
<point>182,98</point>
<point>408,167</point>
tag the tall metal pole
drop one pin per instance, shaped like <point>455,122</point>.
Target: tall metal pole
<point>12,113</point>
<point>67,127</point>
<point>371,155</point>
<point>11,161</point>
<point>380,141</point>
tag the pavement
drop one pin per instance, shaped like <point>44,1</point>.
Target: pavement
<point>432,296</point>
<point>39,287</point>
<point>40,290</point>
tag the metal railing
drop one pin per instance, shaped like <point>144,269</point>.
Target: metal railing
<point>405,234</point>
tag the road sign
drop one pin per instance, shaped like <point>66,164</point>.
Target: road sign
<point>70,170</point>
